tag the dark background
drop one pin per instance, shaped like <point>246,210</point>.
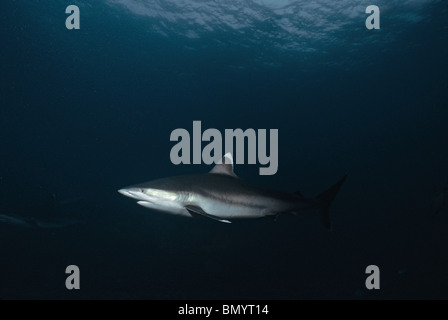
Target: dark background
<point>86,112</point>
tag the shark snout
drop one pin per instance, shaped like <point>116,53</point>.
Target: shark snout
<point>135,193</point>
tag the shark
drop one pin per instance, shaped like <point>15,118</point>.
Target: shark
<point>222,196</point>
<point>32,222</point>
<point>43,215</point>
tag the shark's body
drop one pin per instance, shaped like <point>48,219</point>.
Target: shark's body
<point>222,196</point>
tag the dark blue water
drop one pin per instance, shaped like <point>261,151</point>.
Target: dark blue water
<point>86,112</point>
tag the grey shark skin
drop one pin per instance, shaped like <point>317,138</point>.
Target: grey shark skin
<point>222,196</point>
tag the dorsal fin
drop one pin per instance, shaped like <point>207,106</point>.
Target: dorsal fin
<point>224,166</point>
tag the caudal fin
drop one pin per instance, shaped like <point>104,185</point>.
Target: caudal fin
<point>325,199</point>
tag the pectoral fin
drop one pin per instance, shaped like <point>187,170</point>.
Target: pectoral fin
<point>194,210</point>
